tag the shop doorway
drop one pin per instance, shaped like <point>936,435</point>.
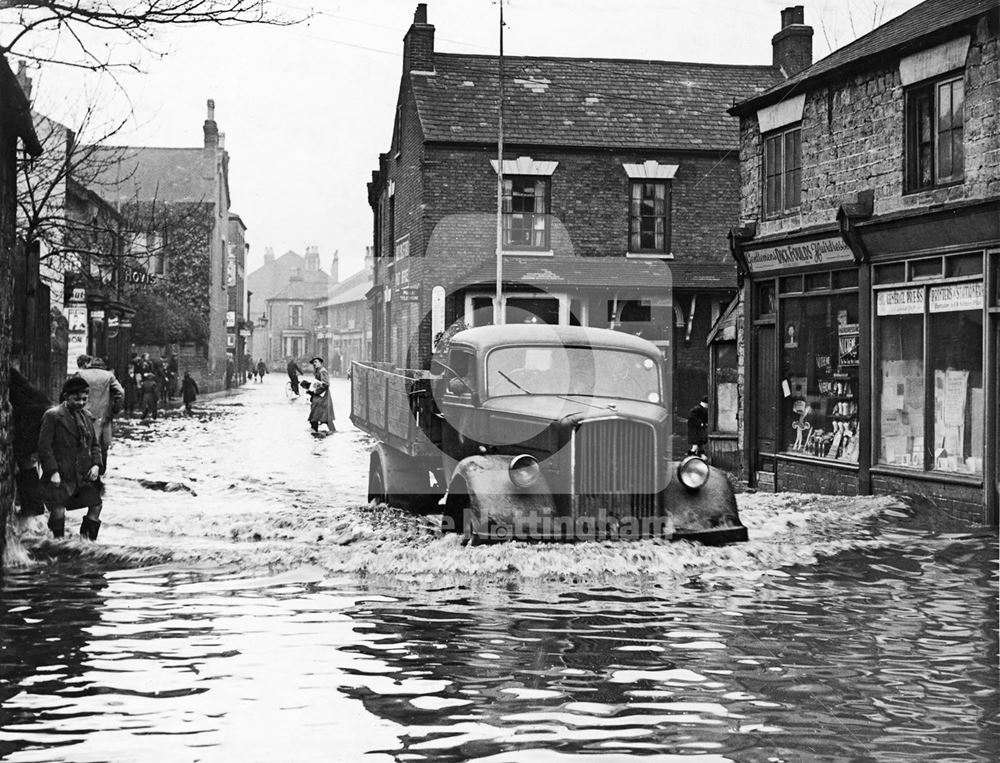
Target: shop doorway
<point>766,396</point>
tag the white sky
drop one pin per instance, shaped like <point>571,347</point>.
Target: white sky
<point>307,109</point>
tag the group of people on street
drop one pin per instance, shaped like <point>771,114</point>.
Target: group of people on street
<point>151,384</point>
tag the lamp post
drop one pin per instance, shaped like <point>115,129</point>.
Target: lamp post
<point>262,322</point>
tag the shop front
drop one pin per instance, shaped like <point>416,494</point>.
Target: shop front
<point>872,358</point>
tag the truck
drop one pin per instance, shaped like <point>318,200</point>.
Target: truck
<point>539,433</point>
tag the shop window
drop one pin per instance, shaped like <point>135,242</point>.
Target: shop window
<point>649,216</point>
<point>901,385</point>
<point>957,364</point>
<point>819,350</point>
<point>782,172</point>
<point>525,212</point>
<point>935,134</point>
<point>765,302</point>
<point>532,310</point>
<point>724,413</point>
<point>940,428</point>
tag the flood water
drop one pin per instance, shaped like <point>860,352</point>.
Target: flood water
<point>244,604</point>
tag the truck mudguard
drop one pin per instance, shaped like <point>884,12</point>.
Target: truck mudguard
<point>498,509</point>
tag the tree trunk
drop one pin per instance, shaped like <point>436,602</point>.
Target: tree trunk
<point>8,190</point>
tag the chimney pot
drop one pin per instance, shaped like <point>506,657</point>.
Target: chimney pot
<point>420,15</point>
<point>792,15</point>
<point>211,110</point>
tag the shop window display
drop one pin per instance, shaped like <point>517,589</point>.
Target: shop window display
<point>820,376</point>
<point>959,403</point>
<point>931,410</point>
<point>901,388</point>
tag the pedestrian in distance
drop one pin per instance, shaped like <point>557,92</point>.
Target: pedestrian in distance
<point>70,454</point>
<point>697,424</point>
<point>294,372</point>
<point>261,370</point>
<point>162,372</point>
<point>149,391</point>
<point>336,362</point>
<point>104,401</point>
<point>189,391</point>
<point>321,404</point>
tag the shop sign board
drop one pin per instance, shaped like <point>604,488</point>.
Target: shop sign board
<point>954,297</point>
<point>900,302</point>
<point>824,251</point>
<point>79,295</point>
<point>230,319</point>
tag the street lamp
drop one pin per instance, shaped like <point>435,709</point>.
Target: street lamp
<point>262,322</point>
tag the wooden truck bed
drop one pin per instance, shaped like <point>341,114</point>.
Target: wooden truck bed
<point>388,403</point>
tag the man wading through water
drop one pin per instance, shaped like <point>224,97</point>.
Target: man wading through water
<point>70,454</point>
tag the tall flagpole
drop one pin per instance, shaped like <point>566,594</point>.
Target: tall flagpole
<point>498,317</point>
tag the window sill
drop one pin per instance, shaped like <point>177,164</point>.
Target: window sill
<point>649,255</point>
<point>527,253</point>
<point>935,187</point>
<point>915,473</point>
<point>817,460</point>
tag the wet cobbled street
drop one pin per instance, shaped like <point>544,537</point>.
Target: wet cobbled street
<point>244,603</point>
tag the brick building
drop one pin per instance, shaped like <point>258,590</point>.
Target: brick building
<point>237,320</point>
<point>870,252</point>
<point>273,279</point>
<point>343,325</point>
<point>175,205</point>
<point>16,131</point>
<point>619,178</point>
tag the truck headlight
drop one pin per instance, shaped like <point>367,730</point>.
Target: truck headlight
<point>524,470</point>
<point>692,472</point>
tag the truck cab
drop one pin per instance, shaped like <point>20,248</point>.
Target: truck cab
<point>540,432</point>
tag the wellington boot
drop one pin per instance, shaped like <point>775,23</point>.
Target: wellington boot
<point>89,528</point>
<point>57,526</point>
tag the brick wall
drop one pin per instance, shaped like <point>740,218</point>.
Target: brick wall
<point>813,477</point>
<point>852,140</point>
<point>959,501</point>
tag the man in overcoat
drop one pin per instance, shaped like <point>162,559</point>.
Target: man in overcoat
<point>70,454</point>
<point>105,400</point>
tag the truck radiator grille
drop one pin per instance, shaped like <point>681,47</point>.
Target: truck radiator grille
<point>616,469</point>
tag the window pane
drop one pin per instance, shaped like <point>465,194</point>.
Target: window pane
<point>791,284</point>
<point>957,364</point>
<point>901,390</point>
<point>843,279</point>
<point>930,268</point>
<point>817,281</point>
<point>895,273</point>
<point>820,367</point>
<point>964,265</point>
<point>765,298</point>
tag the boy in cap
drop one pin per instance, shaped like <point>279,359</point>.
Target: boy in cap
<point>70,454</point>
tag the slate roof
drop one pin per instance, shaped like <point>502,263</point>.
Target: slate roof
<point>586,101</point>
<point>304,290</point>
<point>128,173</point>
<point>351,289</point>
<point>926,20</point>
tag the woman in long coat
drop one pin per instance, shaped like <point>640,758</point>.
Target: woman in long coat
<point>321,405</point>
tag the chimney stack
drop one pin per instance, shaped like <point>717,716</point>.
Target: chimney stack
<point>792,45</point>
<point>370,258</point>
<point>335,267</point>
<point>418,44</point>
<point>211,129</point>
<point>268,255</point>
<point>312,258</point>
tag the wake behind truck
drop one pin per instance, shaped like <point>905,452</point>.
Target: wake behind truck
<point>539,432</point>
